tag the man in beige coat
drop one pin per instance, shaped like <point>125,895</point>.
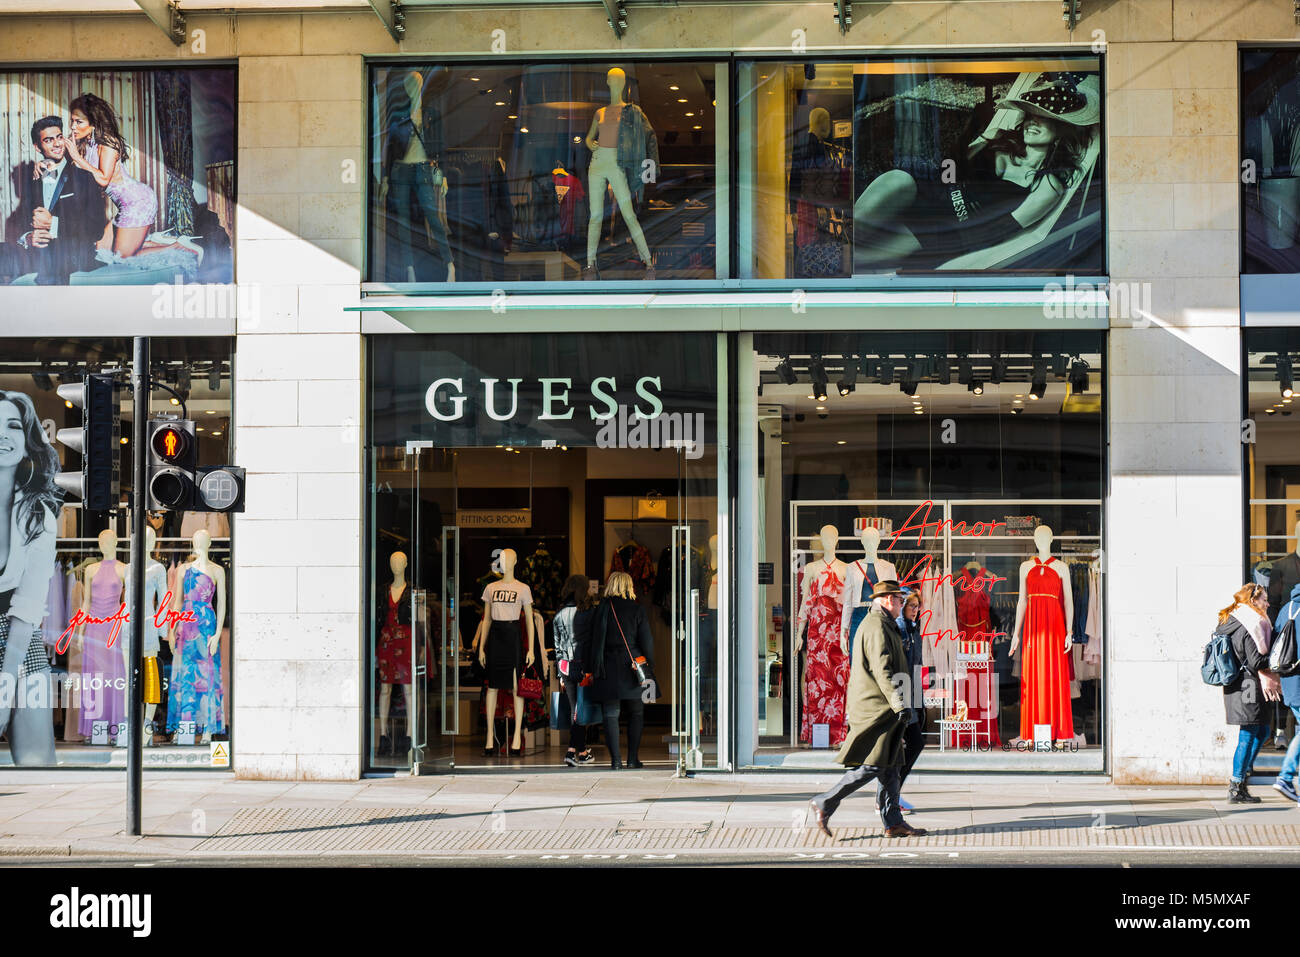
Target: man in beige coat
<point>878,713</point>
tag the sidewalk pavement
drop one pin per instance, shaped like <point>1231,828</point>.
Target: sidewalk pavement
<point>190,817</point>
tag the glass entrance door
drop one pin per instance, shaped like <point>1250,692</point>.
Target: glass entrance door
<point>435,673</point>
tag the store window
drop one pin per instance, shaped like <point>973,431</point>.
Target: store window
<point>79,564</point>
<point>509,464</point>
<point>495,173</point>
<point>1272,461</point>
<point>920,164</point>
<point>956,464</point>
<point>1270,143</point>
<point>165,141</point>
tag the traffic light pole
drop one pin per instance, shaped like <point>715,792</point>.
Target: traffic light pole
<point>140,391</point>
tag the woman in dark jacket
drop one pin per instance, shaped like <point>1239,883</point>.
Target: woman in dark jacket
<point>619,634</point>
<point>913,739</point>
<point>574,617</point>
<point>1245,701</point>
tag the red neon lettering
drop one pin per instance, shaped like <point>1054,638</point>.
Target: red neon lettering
<point>977,584</point>
<point>979,528</point>
<point>959,635</point>
<point>119,619</point>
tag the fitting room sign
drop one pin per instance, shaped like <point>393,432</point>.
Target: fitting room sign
<point>538,391</point>
<point>494,517</point>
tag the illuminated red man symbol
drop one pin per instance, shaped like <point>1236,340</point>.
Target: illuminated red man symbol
<point>170,441</point>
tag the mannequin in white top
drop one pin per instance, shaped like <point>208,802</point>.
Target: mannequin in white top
<point>508,560</point>
<point>202,541</point>
<point>829,539</point>
<point>1043,540</point>
<point>856,577</point>
<point>397,564</point>
<point>108,551</point>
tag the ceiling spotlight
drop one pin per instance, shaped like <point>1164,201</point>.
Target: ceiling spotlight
<point>999,371</point>
<point>43,381</point>
<point>1284,372</point>
<point>1079,377</point>
<point>786,371</point>
<point>214,377</point>
<point>1270,411</point>
<point>909,387</point>
<point>1059,365</point>
<point>945,371</point>
<point>175,401</point>
<point>886,372</point>
<point>1038,386</point>
<point>963,372</point>
<point>1016,410</point>
<point>819,379</point>
<point>183,380</point>
<point>849,378</point>
<point>976,386</point>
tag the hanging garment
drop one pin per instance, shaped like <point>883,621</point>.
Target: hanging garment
<point>635,559</point>
<point>973,602</point>
<point>571,196</point>
<point>72,714</point>
<point>827,671</point>
<point>1045,671</point>
<point>1079,595</point>
<point>103,669</point>
<point>545,575</point>
<point>194,692</point>
<point>55,622</point>
<point>1092,651</point>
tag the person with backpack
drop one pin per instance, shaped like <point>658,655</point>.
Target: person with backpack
<point>1286,618</point>
<point>1245,697</point>
<point>572,618</point>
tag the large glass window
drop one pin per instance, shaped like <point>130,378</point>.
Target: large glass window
<point>500,462</point>
<point>495,173</point>
<point>1270,146</point>
<point>920,164</point>
<point>968,467</point>
<point>83,568</point>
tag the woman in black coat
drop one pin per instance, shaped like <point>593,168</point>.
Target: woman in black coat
<point>619,634</point>
<point>1247,701</point>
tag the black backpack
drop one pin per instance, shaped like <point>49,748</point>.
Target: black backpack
<point>1282,656</point>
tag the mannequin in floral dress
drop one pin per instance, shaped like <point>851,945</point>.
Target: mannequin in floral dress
<point>826,675</point>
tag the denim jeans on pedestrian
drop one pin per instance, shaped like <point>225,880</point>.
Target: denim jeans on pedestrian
<point>1250,739</point>
<point>1291,763</point>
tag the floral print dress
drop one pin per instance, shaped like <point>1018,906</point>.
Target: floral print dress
<point>827,671</point>
<point>194,690</point>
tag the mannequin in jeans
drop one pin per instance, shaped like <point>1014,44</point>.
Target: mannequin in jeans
<point>606,172</point>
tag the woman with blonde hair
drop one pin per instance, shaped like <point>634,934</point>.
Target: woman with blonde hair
<point>1244,699</point>
<point>616,652</point>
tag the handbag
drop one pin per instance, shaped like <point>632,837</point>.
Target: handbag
<point>561,716</point>
<point>588,711</point>
<point>530,689</point>
<point>1282,657</point>
<point>644,673</point>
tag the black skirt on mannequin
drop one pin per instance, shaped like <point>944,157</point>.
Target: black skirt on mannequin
<point>505,654</point>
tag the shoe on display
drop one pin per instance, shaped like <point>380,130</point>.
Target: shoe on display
<point>1286,789</point>
<point>650,273</point>
<point>385,744</point>
<point>589,272</point>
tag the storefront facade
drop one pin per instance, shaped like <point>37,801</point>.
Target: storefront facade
<point>681,310</point>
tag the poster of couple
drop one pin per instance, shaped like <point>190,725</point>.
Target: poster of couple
<point>117,177</point>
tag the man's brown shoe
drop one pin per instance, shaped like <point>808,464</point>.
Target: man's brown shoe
<point>819,819</point>
<point>904,830</point>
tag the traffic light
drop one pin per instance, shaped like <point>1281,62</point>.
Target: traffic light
<point>173,456</point>
<point>97,439</point>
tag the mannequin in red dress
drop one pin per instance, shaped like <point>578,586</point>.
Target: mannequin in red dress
<point>826,677</point>
<point>1045,605</point>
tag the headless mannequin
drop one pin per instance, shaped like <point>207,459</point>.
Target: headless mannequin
<point>415,155</point>
<point>605,171</point>
<point>830,538</point>
<point>202,542</point>
<point>508,560</point>
<point>151,615</point>
<point>1043,541</point>
<point>107,549</point>
<point>885,572</point>
<point>713,572</point>
<point>397,563</point>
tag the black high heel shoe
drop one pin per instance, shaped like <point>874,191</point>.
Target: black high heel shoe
<point>635,764</point>
<point>489,752</point>
<point>516,752</point>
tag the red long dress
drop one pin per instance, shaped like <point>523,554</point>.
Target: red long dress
<point>1044,667</point>
<point>827,674</point>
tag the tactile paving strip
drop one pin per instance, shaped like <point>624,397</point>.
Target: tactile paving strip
<point>405,830</point>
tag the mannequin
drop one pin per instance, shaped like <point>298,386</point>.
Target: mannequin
<point>620,140</point>
<point>500,645</point>
<point>194,692</point>
<point>861,577</point>
<point>1044,608</point>
<point>410,165</point>
<point>818,185</point>
<point>104,669</point>
<point>826,676</point>
<point>709,645</point>
<point>394,651</point>
<point>156,606</point>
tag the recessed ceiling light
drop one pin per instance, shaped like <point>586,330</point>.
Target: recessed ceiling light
<point>821,408</point>
<point>674,88</point>
<point>1018,402</point>
<point>785,442</point>
<point>523,129</point>
<point>690,114</point>
<point>513,116</point>
<point>198,428</point>
<point>501,103</point>
<point>840,442</point>
<point>474,79</point>
<point>216,435</point>
<point>697,127</point>
<point>1020,395</point>
<point>212,411</point>
<point>681,99</point>
<point>1286,401</point>
<point>918,411</point>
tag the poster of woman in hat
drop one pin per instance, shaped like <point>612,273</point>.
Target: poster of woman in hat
<point>1017,187</point>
